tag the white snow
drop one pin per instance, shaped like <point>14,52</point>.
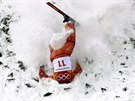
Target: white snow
<point>105,48</point>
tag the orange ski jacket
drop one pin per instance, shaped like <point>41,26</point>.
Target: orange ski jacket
<point>65,51</point>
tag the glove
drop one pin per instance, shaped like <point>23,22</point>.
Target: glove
<point>66,19</point>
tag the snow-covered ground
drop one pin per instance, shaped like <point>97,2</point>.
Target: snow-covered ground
<point>105,49</point>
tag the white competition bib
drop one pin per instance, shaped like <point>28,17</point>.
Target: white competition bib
<point>62,64</point>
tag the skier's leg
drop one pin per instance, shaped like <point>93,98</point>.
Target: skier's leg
<point>42,73</point>
<point>77,70</point>
<point>70,27</point>
<point>70,42</point>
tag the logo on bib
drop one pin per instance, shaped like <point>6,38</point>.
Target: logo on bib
<point>64,76</point>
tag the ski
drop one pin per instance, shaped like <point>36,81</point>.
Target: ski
<point>60,11</point>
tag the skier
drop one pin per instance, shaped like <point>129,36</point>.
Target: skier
<point>60,58</point>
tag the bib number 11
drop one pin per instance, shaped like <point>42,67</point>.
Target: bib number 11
<point>61,63</point>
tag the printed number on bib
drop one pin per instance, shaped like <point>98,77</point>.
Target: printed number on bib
<point>62,64</point>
